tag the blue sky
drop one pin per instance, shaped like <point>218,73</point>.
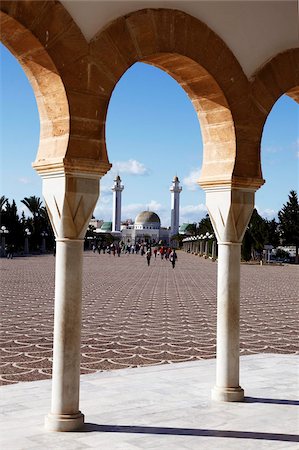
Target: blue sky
<point>152,134</point>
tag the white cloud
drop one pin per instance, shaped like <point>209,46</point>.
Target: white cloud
<point>271,149</point>
<point>24,180</point>
<point>267,213</point>
<point>190,209</point>
<point>103,211</point>
<point>191,180</point>
<point>106,200</point>
<point>105,190</point>
<point>131,210</point>
<point>132,167</point>
<point>192,213</point>
<point>154,206</point>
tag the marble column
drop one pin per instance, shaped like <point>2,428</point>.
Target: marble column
<point>70,200</point>
<point>230,210</point>
<point>214,246</point>
<point>65,414</point>
<point>228,316</point>
<point>43,246</point>
<point>26,245</point>
<point>206,253</point>
<point>3,250</point>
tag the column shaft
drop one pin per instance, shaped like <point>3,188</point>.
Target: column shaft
<point>65,414</point>
<point>228,318</point>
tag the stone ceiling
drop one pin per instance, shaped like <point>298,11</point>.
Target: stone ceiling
<point>254,30</point>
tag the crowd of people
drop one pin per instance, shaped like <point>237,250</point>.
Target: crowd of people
<point>164,252</point>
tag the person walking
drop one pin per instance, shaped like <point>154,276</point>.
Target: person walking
<point>173,257</point>
<point>10,251</point>
<point>148,256</point>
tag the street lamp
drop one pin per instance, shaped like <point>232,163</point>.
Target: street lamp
<point>26,244</point>
<point>214,247</point>
<point>206,237</point>
<point>201,237</point>
<point>4,231</point>
<point>43,234</point>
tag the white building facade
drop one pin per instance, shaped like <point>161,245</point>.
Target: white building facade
<point>175,190</point>
<point>117,190</point>
<point>147,224</point>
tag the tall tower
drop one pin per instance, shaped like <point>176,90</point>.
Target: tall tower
<point>175,190</point>
<point>117,190</point>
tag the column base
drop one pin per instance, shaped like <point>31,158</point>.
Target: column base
<point>64,422</point>
<point>223,394</point>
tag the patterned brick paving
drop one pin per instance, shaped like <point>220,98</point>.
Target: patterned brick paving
<point>134,315</point>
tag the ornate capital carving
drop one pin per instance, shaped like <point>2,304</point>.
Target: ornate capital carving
<point>230,210</point>
<point>70,200</point>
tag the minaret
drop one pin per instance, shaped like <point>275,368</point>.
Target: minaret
<point>117,190</point>
<point>175,190</point>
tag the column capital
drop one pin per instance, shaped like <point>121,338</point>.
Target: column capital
<point>71,166</point>
<point>79,241</point>
<point>70,200</point>
<point>230,209</point>
<point>231,183</point>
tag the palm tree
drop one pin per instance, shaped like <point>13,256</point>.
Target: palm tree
<point>34,204</point>
<point>3,201</point>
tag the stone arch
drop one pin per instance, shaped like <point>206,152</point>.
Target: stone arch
<point>275,78</point>
<point>204,66</point>
<point>55,56</point>
<point>47,86</point>
<point>174,41</point>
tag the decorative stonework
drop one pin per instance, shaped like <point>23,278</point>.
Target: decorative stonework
<point>55,56</point>
<point>194,55</point>
<point>73,81</point>
<point>70,201</point>
<point>230,211</point>
<point>277,77</point>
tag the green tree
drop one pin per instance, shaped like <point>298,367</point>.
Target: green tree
<point>289,222</point>
<point>34,204</point>
<point>178,238</point>
<point>192,229</point>
<point>10,219</point>
<point>246,250</point>
<point>282,254</point>
<point>205,226</point>
<point>272,230</point>
<point>3,201</point>
<point>255,237</point>
<point>38,223</point>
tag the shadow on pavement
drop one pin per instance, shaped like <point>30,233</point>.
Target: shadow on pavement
<point>274,401</point>
<point>90,427</point>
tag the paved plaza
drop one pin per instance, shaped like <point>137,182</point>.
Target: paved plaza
<point>134,315</point>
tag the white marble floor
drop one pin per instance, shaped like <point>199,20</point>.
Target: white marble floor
<point>164,407</point>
